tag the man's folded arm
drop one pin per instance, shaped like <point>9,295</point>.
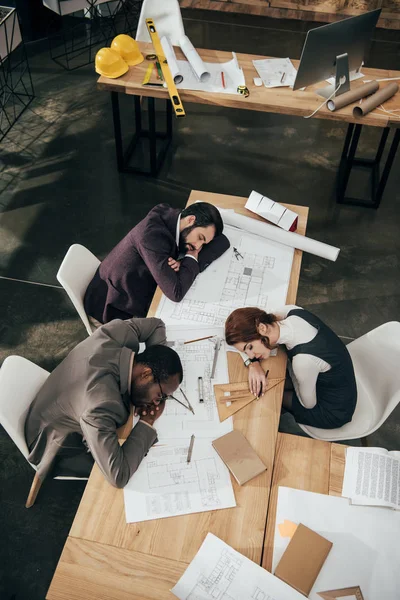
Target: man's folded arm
<point>212,251</point>
<point>117,463</point>
<point>174,284</point>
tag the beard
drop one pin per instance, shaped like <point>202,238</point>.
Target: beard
<point>139,394</point>
<point>183,244</point>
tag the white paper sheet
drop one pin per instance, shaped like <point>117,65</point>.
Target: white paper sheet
<point>197,359</point>
<point>195,60</point>
<point>169,54</point>
<point>270,232</point>
<point>259,278</point>
<point>372,477</point>
<point>233,77</point>
<point>366,549</point>
<point>276,72</point>
<point>218,572</point>
<point>165,485</point>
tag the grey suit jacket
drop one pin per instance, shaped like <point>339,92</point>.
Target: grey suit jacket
<point>86,399</point>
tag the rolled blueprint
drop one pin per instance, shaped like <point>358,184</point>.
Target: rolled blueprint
<point>276,234</point>
<point>194,59</point>
<point>375,100</point>
<point>353,95</point>
<point>169,54</point>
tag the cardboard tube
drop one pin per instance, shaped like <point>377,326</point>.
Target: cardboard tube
<point>271,232</point>
<point>375,100</point>
<point>353,95</point>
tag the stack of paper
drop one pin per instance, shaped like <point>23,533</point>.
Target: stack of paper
<point>372,477</point>
<point>276,72</point>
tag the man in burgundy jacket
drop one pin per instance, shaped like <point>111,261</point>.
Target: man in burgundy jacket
<point>167,248</point>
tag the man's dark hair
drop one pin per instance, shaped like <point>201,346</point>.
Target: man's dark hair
<point>163,362</point>
<point>206,214</point>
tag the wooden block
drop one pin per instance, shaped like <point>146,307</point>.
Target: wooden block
<point>240,396</point>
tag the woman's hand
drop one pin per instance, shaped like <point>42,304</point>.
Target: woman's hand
<point>257,379</point>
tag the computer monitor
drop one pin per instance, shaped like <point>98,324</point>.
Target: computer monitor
<point>334,50</point>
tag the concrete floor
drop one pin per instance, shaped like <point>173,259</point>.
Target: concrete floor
<point>59,185</point>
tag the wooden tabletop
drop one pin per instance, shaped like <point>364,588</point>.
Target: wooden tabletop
<point>90,570</point>
<point>281,100</point>
<point>100,528</point>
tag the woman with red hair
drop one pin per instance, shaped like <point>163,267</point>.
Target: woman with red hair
<point>325,392</point>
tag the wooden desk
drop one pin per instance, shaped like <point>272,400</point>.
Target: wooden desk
<point>104,555</point>
<point>304,464</point>
<point>95,571</point>
<point>275,100</point>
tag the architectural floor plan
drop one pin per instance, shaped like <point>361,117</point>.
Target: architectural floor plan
<point>253,272</point>
<point>218,572</point>
<point>166,485</point>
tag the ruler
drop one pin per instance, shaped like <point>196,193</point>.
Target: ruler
<point>169,80</point>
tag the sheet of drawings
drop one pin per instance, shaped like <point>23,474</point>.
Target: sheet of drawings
<point>218,572</point>
<point>256,274</point>
<point>197,360</point>
<point>365,551</point>
<point>166,485</point>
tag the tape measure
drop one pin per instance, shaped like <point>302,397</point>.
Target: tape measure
<point>173,92</point>
<point>243,90</point>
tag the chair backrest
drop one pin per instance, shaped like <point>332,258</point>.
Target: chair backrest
<point>75,273</point>
<point>20,381</point>
<point>376,360</point>
<point>167,18</point>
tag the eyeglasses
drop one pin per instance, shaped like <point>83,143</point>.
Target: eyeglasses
<point>165,397</point>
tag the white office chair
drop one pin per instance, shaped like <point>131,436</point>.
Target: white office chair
<point>376,360</point>
<point>20,381</point>
<point>75,273</point>
<point>167,18</point>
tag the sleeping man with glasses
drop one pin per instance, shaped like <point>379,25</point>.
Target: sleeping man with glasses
<point>74,419</point>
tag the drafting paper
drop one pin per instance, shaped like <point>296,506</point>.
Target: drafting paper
<point>166,485</point>
<point>276,72</point>
<point>272,233</point>
<point>169,54</point>
<point>194,59</point>
<point>218,572</point>
<point>366,549</point>
<point>197,358</point>
<point>232,74</point>
<point>260,278</point>
<point>372,477</point>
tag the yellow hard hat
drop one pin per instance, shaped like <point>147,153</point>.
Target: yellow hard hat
<point>128,49</point>
<point>110,64</point>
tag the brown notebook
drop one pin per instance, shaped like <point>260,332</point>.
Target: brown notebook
<point>303,559</point>
<point>239,456</point>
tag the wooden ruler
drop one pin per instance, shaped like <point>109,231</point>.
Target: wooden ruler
<point>239,396</point>
<point>169,80</point>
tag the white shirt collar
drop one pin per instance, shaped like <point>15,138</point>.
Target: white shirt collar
<point>178,233</point>
<point>285,333</point>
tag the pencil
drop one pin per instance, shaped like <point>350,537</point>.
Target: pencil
<point>223,79</point>
<point>199,339</point>
<point>189,454</point>
<point>266,375</point>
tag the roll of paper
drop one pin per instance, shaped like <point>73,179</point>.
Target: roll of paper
<point>194,59</point>
<point>353,95</point>
<point>375,100</point>
<point>275,234</point>
<point>169,54</point>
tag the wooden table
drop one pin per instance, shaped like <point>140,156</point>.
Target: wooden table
<point>275,100</point>
<point>104,555</point>
<point>95,571</point>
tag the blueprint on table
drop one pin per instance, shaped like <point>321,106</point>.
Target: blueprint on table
<point>218,572</point>
<point>166,485</point>
<point>256,274</point>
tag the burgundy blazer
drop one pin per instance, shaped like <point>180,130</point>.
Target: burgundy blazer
<point>124,284</point>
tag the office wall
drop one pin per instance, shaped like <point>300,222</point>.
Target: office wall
<point>307,10</point>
